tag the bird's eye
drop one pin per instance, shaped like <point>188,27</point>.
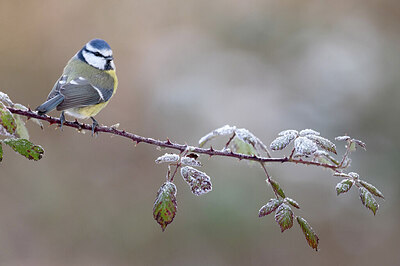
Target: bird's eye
<point>97,54</point>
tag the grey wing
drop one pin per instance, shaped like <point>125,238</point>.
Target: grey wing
<point>79,93</point>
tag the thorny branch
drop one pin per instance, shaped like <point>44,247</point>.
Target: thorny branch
<point>167,143</point>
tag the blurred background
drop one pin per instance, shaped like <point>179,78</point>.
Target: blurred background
<point>186,68</point>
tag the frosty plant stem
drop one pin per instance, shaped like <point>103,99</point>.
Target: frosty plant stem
<point>308,148</point>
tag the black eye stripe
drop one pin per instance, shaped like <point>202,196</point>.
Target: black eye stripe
<point>95,53</point>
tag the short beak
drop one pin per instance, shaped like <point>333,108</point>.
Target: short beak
<point>109,58</point>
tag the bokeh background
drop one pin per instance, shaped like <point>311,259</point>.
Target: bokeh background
<point>185,68</point>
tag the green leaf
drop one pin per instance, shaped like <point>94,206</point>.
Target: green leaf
<point>368,200</point>
<point>275,186</point>
<point>292,202</point>
<point>21,131</point>
<point>25,148</point>
<point>284,216</point>
<point>1,151</point>
<point>7,120</point>
<point>343,186</point>
<point>311,237</point>
<point>324,143</point>
<point>268,208</point>
<point>371,189</point>
<point>165,207</point>
<point>242,147</point>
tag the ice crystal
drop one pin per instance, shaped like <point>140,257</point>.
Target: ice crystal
<point>168,158</point>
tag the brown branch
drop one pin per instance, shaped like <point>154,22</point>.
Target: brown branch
<point>167,143</point>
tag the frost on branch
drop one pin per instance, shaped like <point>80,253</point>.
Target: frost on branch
<point>5,99</point>
<point>198,181</point>
<point>165,207</point>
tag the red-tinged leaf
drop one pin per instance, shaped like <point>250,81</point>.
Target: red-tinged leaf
<point>268,208</point>
<point>25,148</point>
<point>311,237</point>
<point>198,181</point>
<point>275,186</point>
<point>371,189</point>
<point>284,216</point>
<point>343,186</point>
<point>368,200</point>
<point>292,202</point>
<point>7,120</point>
<point>165,207</point>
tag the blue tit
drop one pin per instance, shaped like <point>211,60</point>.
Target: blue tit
<point>86,85</point>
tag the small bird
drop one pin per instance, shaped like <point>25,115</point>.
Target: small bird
<point>86,85</point>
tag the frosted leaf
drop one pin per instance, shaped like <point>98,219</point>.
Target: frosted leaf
<point>342,138</point>
<point>311,236</point>
<point>304,146</point>
<point>288,132</point>
<point>372,189</point>
<point>281,142</point>
<point>323,143</point>
<point>168,158</point>
<point>292,202</point>
<point>306,132</point>
<point>5,99</point>
<point>165,206</point>
<point>343,186</point>
<point>268,208</point>
<point>276,187</point>
<point>222,131</point>
<point>284,216</point>
<point>198,181</point>
<point>360,143</point>
<point>368,200</point>
<point>190,161</point>
<point>341,174</point>
<point>248,137</point>
<point>3,132</point>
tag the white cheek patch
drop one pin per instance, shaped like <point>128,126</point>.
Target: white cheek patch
<point>112,64</point>
<point>95,61</point>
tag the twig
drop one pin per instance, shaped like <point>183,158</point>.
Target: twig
<point>167,143</point>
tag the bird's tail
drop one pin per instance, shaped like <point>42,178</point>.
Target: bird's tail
<point>50,104</point>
